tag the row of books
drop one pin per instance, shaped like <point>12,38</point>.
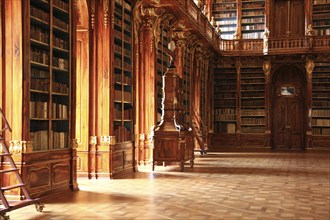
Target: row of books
<point>218,117</point>
<point>249,87</point>
<point>39,34</point>
<point>229,128</point>
<point>321,131</point>
<point>220,87</point>
<point>319,86</point>
<point>39,73</point>
<point>256,121</point>
<point>252,81</point>
<point>60,24</point>
<point>61,43</point>
<point>253,20</point>
<point>324,68</point>
<point>321,23</point>
<point>321,2</point>
<point>320,122</point>
<point>252,13</point>
<point>41,84</point>
<point>320,103</point>
<point>60,88</point>
<point>39,55</point>
<point>223,1</point>
<point>257,27</point>
<point>252,112</point>
<point>253,5</point>
<point>321,7</point>
<point>227,70</point>
<point>317,81</point>
<point>226,29</point>
<point>225,95</point>
<point>227,103</point>
<point>251,72</point>
<point>225,111</point>
<point>61,4</point>
<point>38,109</point>
<point>225,15</point>
<point>224,7</point>
<point>226,22</point>
<point>321,113</point>
<point>126,4</point>
<point>40,140</point>
<point>321,16</point>
<point>253,103</point>
<point>252,94</point>
<point>61,63</point>
<point>320,94</point>
<point>39,14</point>
<point>60,140</point>
<point>254,35</point>
<point>60,111</point>
<point>322,31</point>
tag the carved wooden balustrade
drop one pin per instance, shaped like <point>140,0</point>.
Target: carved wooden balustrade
<point>294,45</point>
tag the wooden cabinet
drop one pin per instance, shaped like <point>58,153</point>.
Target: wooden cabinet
<point>173,142</point>
<point>47,85</point>
<point>121,148</point>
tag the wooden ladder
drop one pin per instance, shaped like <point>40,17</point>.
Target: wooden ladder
<point>5,205</point>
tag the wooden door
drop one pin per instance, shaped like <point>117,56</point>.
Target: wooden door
<point>288,18</point>
<point>288,132</point>
<point>289,115</point>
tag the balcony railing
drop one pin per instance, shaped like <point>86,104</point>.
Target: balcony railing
<point>292,45</point>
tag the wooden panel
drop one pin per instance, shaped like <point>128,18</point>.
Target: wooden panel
<point>253,140</point>
<point>321,142</point>
<point>297,18</point>
<point>61,174</point>
<point>224,140</point>
<point>39,178</point>
<point>281,17</point>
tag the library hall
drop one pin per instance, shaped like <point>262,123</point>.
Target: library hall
<point>165,109</point>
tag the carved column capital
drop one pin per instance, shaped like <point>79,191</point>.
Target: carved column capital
<point>106,13</point>
<point>266,66</point>
<point>92,17</point>
<point>148,16</point>
<point>309,68</point>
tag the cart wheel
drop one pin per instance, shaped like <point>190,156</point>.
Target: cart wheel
<point>40,207</point>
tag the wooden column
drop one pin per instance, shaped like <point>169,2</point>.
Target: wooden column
<point>103,88</point>
<point>179,37</point>
<point>92,92</point>
<point>267,68</point>
<point>309,70</point>
<point>145,83</point>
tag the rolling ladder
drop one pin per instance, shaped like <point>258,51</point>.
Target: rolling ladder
<point>6,205</point>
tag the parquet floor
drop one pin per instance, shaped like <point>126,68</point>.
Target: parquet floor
<point>231,185</point>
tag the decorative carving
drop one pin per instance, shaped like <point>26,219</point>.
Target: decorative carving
<point>19,147</point>
<point>74,143</point>
<point>93,140</point>
<point>309,31</point>
<point>106,13</point>
<point>266,68</point>
<point>309,68</point>
<point>266,36</point>
<point>92,18</point>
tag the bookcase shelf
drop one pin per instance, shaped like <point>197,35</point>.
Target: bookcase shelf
<point>253,19</point>
<point>225,15</point>
<point>321,99</point>
<point>161,67</point>
<point>225,98</point>
<point>252,98</point>
<point>321,17</point>
<point>48,73</point>
<point>123,71</point>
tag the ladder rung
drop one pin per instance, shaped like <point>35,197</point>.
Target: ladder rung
<point>8,170</point>
<point>12,186</point>
<point>5,154</point>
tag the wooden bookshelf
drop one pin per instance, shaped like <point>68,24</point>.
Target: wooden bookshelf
<point>253,19</point>
<point>162,65</point>
<point>123,83</point>
<point>252,99</point>
<point>47,55</point>
<point>321,100</point>
<point>225,82</point>
<point>321,17</point>
<point>225,15</point>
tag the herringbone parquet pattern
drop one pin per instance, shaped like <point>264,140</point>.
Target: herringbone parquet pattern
<point>231,185</point>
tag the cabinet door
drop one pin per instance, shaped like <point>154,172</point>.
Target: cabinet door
<point>289,18</point>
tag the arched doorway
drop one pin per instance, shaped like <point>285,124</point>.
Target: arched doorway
<point>288,112</point>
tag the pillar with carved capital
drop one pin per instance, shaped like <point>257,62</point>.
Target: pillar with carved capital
<point>179,37</point>
<point>309,71</point>
<point>267,70</point>
<point>149,19</point>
